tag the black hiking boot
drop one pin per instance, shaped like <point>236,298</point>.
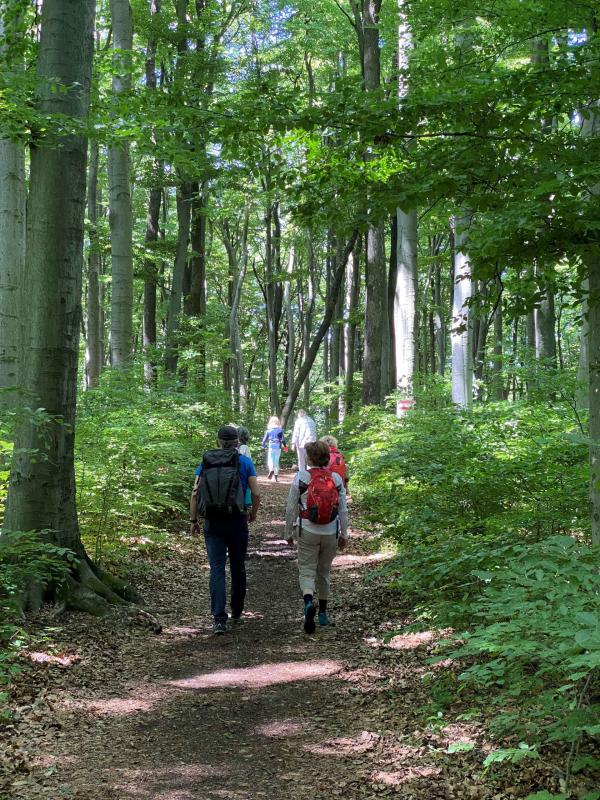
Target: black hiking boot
<point>219,628</point>
<point>310,610</point>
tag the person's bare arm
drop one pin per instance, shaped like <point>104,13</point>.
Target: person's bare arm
<point>253,484</point>
<point>194,524</point>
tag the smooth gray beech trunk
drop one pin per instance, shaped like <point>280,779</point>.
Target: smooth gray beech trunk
<point>12,246</point>
<point>439,325</point>
<point>405,295</point>
<point>352,293</point>
<point>93,349</point>
<point>120,215</point>
<point>461,334</point>
<point>184,215</point>
<point>321,331</point>
<point>405,300</point>
<point>42,480</point>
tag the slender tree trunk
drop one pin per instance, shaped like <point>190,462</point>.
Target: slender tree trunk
<point>184,203</point>
<point>93,352</point>
<point>152,230</point>
<point>289,313</point>
<point>405,302</point>
<point>497,366</point>
<point>376,325</point>
<point>438,321</point>
<point>352,293</point>
<point>582,390</point>
<point>545,326</point>
<point>150,281</point>
<point>196,306</point>
<point>461,334</point>
<point>121,221</point>
<point>309,312</point>
<point>12,245</point>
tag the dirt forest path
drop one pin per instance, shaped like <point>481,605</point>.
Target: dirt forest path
<point>262,712</point>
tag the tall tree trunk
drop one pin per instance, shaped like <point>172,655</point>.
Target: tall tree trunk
<point>93,351</point>
<point>545,325</point>
<point>150,281</point>
<point>184,212</point>
<point>376,325</point>
<point>152,229</point>
<point>121,221</point>
<point>352,294</point>
<point>309,312</point>
<point>405,300</point>
<point>462,332</point>
<point>196,301</point>
<point>405,296</point>
<point>12,242</point>
<point>289,313</point>
<point>41,492</point>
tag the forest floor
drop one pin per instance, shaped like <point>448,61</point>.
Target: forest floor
<point>106,710</point>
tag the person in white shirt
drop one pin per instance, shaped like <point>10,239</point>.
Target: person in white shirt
<point>305,431</point>
<point>317,543</point>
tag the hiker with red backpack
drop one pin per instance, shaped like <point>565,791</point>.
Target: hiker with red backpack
<point>336,459</point>
<point>219,495</point>
<point>317,519</point>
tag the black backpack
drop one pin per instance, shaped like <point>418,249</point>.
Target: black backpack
<point>220,493</point>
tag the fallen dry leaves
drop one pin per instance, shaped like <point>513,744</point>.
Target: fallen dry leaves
<point>106,710</point>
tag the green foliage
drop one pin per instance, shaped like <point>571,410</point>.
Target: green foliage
<point>488,512</point>
<point>136,451</point>
<point>442,473</point>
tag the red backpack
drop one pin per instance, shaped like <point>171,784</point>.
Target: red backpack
<point>337,463</point>
<point>322,497</point>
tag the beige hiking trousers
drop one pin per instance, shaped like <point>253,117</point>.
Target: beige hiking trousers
<point>316,552</point>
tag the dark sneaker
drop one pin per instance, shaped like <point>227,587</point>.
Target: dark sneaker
<point>219,628</point>
<point>323,618</point>
<point>310,610</point>
<point>270,475</point>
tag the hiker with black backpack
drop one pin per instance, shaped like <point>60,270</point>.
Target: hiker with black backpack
<point>222,480</point>
<point>317,519</point>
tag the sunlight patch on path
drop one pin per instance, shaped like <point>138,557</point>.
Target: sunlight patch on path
<point>282,728</point>
<point>263,675</point>
<point>345,746</point>
<point>175,782</point>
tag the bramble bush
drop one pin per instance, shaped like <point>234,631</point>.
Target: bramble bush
<point>488,513</point>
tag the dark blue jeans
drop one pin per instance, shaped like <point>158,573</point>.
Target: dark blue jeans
<point>227,537</point>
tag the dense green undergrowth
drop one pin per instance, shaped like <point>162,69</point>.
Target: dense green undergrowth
<point>488,512</point>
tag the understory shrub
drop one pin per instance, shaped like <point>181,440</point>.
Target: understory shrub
<point>488,513</point>
<point>136,451</point>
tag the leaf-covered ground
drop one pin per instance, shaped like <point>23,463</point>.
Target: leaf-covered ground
<point>108,710</point>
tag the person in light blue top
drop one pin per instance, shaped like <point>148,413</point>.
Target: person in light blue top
<point>273,441</point>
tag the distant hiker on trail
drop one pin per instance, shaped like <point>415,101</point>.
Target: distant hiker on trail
<point>317,518</point>
<point>273,441</point>
<point>305,431</point>
<point>218,495</point>
<point>336,459</point>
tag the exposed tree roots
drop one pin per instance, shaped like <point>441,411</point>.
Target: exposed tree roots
<point>94,591</point>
